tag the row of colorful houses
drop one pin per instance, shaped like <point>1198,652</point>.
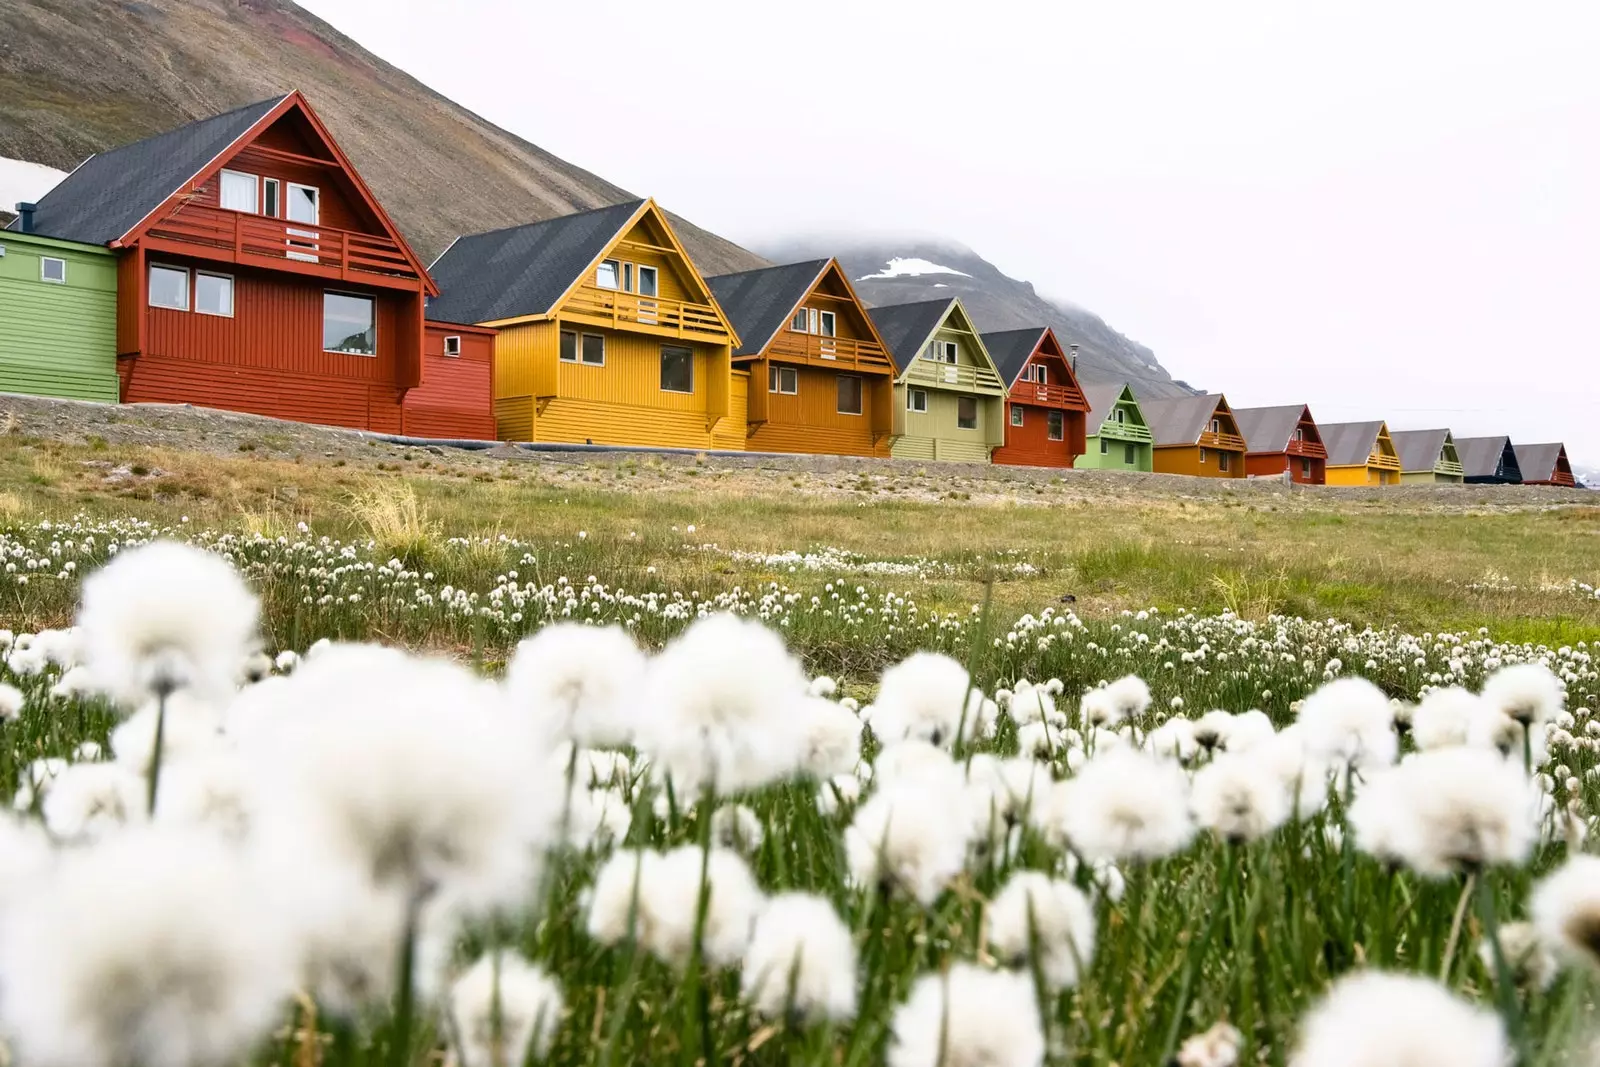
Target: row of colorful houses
<point>240,262</point>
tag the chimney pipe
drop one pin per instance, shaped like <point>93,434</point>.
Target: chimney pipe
<point>25,216</point>
<point>1073,349</point>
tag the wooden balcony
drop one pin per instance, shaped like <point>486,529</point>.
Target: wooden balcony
<point>960,376</point>
<point>1383,462</point>
<point>1055,396</point>
<point>276,244</point>
<point>1225,442</point>
<point>791,346</point>
<point>1308,449</point>
<point>653,314</point>
<point>1126,431</point>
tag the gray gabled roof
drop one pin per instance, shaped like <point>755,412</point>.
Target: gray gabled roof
<point>759,302</point>
<point>1480,456</point>
<point>1268,429</point>
<point>522,270</point>
<point>1180,420</point>
<point>111,193</point>
<point>1350,444</point>
<point>1419,450</point>
<point>1102,398</point>
<point>1538,462</point>
<point>1010,350</point>
<point>904,327</point>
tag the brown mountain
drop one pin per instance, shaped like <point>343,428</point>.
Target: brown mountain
<point>80,76</point>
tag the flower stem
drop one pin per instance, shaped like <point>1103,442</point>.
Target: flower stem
<point>154,776</point>
<point>1455,929</point>
<point>1197,955</point>
<point>400,1033</point>
<point>1505,986</point>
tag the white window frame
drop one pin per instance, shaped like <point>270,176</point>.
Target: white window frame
<point>575,350</point>
<point>354,296</point>
<point>911,400</point>
<point>232,294</point>
<point>1118,415</point>
<point>452,344</point>
<point>1017,417</point>
<point>799,322</point>
<point>627,277</point>
<point>255,191</point>
<point>292,186</point>
<point>1216,425</point>
<point>277,195</point>
<point>975,413</point>
<point>616,275</point>
<point>1299,433</point>
<point>861,394</point>
<point>1202,457</point>
<point>44,275</point>
<point>663,364</point>
<point>639,270</point>
<point>583,350</point>
<point>775,374</point>
<point>1040,375</point>
<point>1059,420</point>
<point>827,323</point>
<point>937,349</point>
<point>150,290</point>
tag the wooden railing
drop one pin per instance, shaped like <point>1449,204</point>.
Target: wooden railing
<point>244,234</point>
<point>1227,442</point>
<point>1125,431</point>
<point>1026,392</point>
<point>1383,462</point>
<point>612,307</point>
<point>810,346</point>
<point>1450,466</point>
<point>956,375</point>
<point>1309,449</point>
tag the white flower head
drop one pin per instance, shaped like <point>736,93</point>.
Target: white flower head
<point>502,1008</point>
<point>833,738</point>
<point>579,683</point>
<point>1444,717</point>
<point>1248,730</point>
<point>1348,723</point>
<point>801,961</point>
<point>1173,739</point>
<point>968,1017</point>
<point>88,801</point>
<point>911,836</point>
<point>1528,956</point>
<point>598,818</point>
<point>1030,704</point>
<point>738,827</point>
<point>1126,805</point>
<point>1035,910</point>
<point>190,728</point>
<point>1526,693</point>
<point>1211,730</point>
<point>925,698</point>
<point>11,701</point>
<point>1566,908</point>
<point>1239,797</point>
<point>1373,1019</point>
<point>671,892</point>
<point>1125,698</point>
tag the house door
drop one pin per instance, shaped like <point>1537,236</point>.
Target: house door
<point>305,206</point>
<point>648,287</point>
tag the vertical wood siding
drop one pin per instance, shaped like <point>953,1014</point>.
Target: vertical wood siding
<point>58,340</point>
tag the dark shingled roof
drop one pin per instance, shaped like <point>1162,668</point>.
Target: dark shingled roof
<point>1268,429</point>
<point>523,270</point>
<point>1480,456</point>
<point>1538,462</point>
<point>1181,420</point>
<point>758,302</point>
<point>1419,450</point>
<point>1102,397</point>
<point>904,327</point>
<point>1349,444</point>
<point>111,193</point>
<point>1010,350</point>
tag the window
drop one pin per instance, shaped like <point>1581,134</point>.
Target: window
<point>1037,373</point>
<point>213,294</point>
<point>677,370</point>
<point>967,412</point>
<point>238,192</point>
<point>1216,425</point>
<point>452,345</point>
<point>1105,447</point>
<point>1057,426</point>
<point>593,352</point>
<point>1299,433</point>
<point>1202,456</point>
<point>1305,468</point>
<point>53,270</point>
<point>348,325</point>
<point>270,197</point>
<point>782,379</point>
<point>1016,414</point>
<point>169,288</point>
<point>849,394</point>
<point>942,351</point>
<point>916,400</point>
<point>1128,454</point>
<point>647,281</point>
<point>801,322</point>
<point>825,323</point>
<point>305,204</point>
<point>1222,462</point>
<point>1119,415</point>
<point>569,346</point>
<point>605,276</point>
<point>627,277</point>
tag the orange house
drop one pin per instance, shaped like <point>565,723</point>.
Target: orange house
<point>1046,412</point>
<point>1195,435</point>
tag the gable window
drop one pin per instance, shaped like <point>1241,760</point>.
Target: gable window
<point>237,192</point>
<point>169,287</point>
<point>1119,415</point>
<point>1016,415</point>
<point>677,369</point>
<point>1105,447</point>
<point>1057,426</point>
<point>1299,433</point>
<point>849,394</point>
<point>1128,454</point>
<point>305,204</point>
<point>801,323</point>
<point>825,323</point>
<point>271,197</point>
<point>1222,461</point>
<point>916,400</point>
<point>452,345</point>
<point>593,350</point>
<point>213,294</point>
<point>648,278</point>
<point>53,270</point>
<point>606,275</point>
<point>569,346</point>
<point>1216,425</point>
<point>942,351</point>
<point>783,379</point>
<point>967,412</point>
<point>627,277</point>
<point>348,325</point>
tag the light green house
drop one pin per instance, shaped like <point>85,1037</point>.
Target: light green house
<point>948,398</point>
<point>58,318</point>
<point>1427,456</point>
<point>1118,437</point>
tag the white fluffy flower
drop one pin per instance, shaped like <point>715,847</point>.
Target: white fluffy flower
<point>738,827</point>
<point>1211,729</point>
<point>164,617</point>
<point>26,856</point>
<point>87,801</point>
<point>579,683</point>
<point>968,1017</point>
<point>1125,698</point>
<point>1373,1019</point>
<point>665,901</point>
<point>1248,730</point>
<point>190,728</point>
<point>1528,956</point>
<point>1173,739</point>
<point>598,818</point>
<point>915,761</point>
<point>1566,908</point>
<point>1526,693</point>
<point>1348,723</point>
<point>1035,909</point>
<point>1030,704</point>
<point>1490,729</point>
<point>1443,717</point>
<point>1125,805</point>
<point>1239,797</point>
<point>912,836</point>
<point>801,961</point>
<point>833,738</point>
<point>210,790</point>
<point>11,701</point>
<point>925,697</point>
<point>502,1008</point>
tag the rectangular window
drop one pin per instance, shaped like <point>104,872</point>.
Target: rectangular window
<point>916,400</point>
<point>825,323</point>
<point>594,350</point>
<point>271,194</point>
<point>648,281</point>
<point>1105,447</point>
<point>783,379</point>
<point>1119,415</point>
<point>169,287</point>
<point>213,294</point>
<point>967,412</point>
<point>942,351</point>
<point>348,325</point>
<point>569,346</point>
<point>849,394</point>
<point>677,369</point>
<point>1016,414</point>
<point>627,277</point>
<point>452,345</point>
<point>238,192</point>
<point>305,204</point>
<point>605,275</point>
<point>1202,456</point>
<point>801,323</point>
<point>52,270</point>
<point>1128,454</point>
<point>1216,425</point>
<point>1057,426</point>
<point>1222,462</point>
<point>1299,433</point>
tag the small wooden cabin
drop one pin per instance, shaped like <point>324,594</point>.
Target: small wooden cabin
<point>1045,411</point>
<point>1116,437</point>
<point>1360,453</point>
<point>1545,464</point>
<point>948,396</point>
<point>821,380</point>
<point>58,316</point>
<point>1488,461</point>
<point>1195,435</point>
<point>256,271</point>
<point>1427,457</point>
<point>608,334</point>
<point>1283,439</point>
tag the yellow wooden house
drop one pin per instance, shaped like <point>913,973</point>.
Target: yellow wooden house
<point>1360,453</point>
<point>608,333</point>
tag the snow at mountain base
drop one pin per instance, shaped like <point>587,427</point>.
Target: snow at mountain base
<point>912,268</point>
<point>25,182</point>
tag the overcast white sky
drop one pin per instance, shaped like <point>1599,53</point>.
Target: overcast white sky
<point>1387,210</point>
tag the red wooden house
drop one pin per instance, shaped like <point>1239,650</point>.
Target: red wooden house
<point>1046,413</point>
<point>1282,439</point>
<point>258,273</point>
<point>1545,464</point>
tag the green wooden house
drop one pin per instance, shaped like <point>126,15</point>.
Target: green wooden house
<point>1119,438</point>
<point>1427,456</point>
<point>58,318</point>
<point>949,399</point>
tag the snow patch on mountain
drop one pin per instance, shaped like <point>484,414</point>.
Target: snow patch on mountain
<point>912,267</point>
<point>24,182</point>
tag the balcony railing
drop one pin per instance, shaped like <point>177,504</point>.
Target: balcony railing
<point>1226,442</point>
<point>956,375</point>
<point>1309,449</point>
<point>1383,462</point>
<point>791,344</point>
<point>1026,392</point>
<point>1451,467</point>
<point>1125,431</point>
<point>243,235</point>
<point>614,308</point>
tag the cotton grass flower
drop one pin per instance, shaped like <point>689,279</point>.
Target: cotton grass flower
<point>925,698</point>
<point>503,1008</point>
<point>1444,717</point>
<point>1348,724</point>
<point>1526,693</point>
<point>911,836</point>
<point>1374,1019</point>
<point>579,683</point>
<point>1034,910</point>
<point>11,701</point>
<point>968,1017</point>
<point>1527,955</point>
<point>656,895</point>
<point>164,617</point>
<point>88,801</point>
<point>801,961</point>
<point>832,738</point>
<point>738,827</point>
<point>1125,805</point>
<point>1109,705</point>
<point>1239,797</point>
<point>1565,908</point>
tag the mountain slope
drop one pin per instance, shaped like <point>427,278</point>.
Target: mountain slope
<point>79,76</point>
<point>890,272</point>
